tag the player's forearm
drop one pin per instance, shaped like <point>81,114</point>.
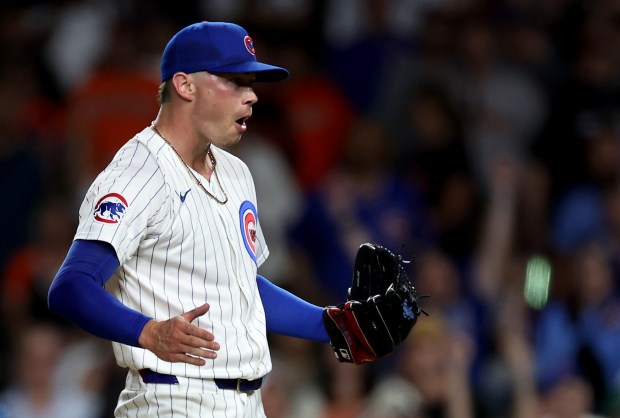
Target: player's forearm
<point>77,294</point>
<point>290,315</point>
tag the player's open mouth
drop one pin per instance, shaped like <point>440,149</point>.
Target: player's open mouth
<point>241,123</point>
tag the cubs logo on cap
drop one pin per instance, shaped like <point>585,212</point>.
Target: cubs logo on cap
<point>110,209</point>
<point>216,47</point>
<point>249,45</point>
<point>248,220</point>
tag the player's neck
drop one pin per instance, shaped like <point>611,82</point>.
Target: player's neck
<point>191,150</point>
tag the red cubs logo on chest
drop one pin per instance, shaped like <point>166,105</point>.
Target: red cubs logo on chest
<point>248,220</point>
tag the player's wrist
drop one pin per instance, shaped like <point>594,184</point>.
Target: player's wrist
<point>145,340</point>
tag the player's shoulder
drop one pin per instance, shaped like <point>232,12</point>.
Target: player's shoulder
<point>133,175</point>
<point>140,151</point>
<point>137,158</point>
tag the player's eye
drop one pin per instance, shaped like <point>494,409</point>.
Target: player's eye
<point>243,81</point>
<point>240,80</point>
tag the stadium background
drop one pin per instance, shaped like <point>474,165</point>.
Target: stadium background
<point>479,138</point>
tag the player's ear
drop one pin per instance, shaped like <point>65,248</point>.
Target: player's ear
<point>183,85</point>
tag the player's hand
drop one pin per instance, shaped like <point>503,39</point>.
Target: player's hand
<point>178,340</point>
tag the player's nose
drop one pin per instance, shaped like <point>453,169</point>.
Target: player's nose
<point>250,97</point>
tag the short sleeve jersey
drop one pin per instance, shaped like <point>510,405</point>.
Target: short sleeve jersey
<point>179,248</point>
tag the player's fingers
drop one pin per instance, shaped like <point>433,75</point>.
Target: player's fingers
<point>189,316</point>
<point>184,358</point>
<point>183,332</point>
<point>200,333</point>
<point>192,355</point>
<point>200,352</point>
<point>192,341</point>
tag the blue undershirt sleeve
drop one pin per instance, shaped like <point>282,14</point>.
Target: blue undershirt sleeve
<point>290,315</point>
<point>77,294</point>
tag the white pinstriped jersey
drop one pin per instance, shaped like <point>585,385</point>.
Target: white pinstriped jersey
<point>179,248</point>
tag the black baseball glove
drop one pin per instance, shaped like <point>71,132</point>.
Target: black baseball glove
<point>381,308</point>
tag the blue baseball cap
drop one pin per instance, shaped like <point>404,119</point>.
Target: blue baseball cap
<point>216,47</point>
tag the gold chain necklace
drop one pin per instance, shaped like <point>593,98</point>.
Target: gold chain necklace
<point>198,182</point>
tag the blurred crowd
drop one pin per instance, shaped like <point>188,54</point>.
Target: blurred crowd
<point>479,139</point>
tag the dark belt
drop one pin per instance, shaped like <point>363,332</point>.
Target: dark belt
<point>242,385</point>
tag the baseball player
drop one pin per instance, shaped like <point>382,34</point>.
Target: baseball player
<point>164,261</point>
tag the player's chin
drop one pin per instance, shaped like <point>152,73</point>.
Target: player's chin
<point>234,141</point>
<point>228,141</point>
